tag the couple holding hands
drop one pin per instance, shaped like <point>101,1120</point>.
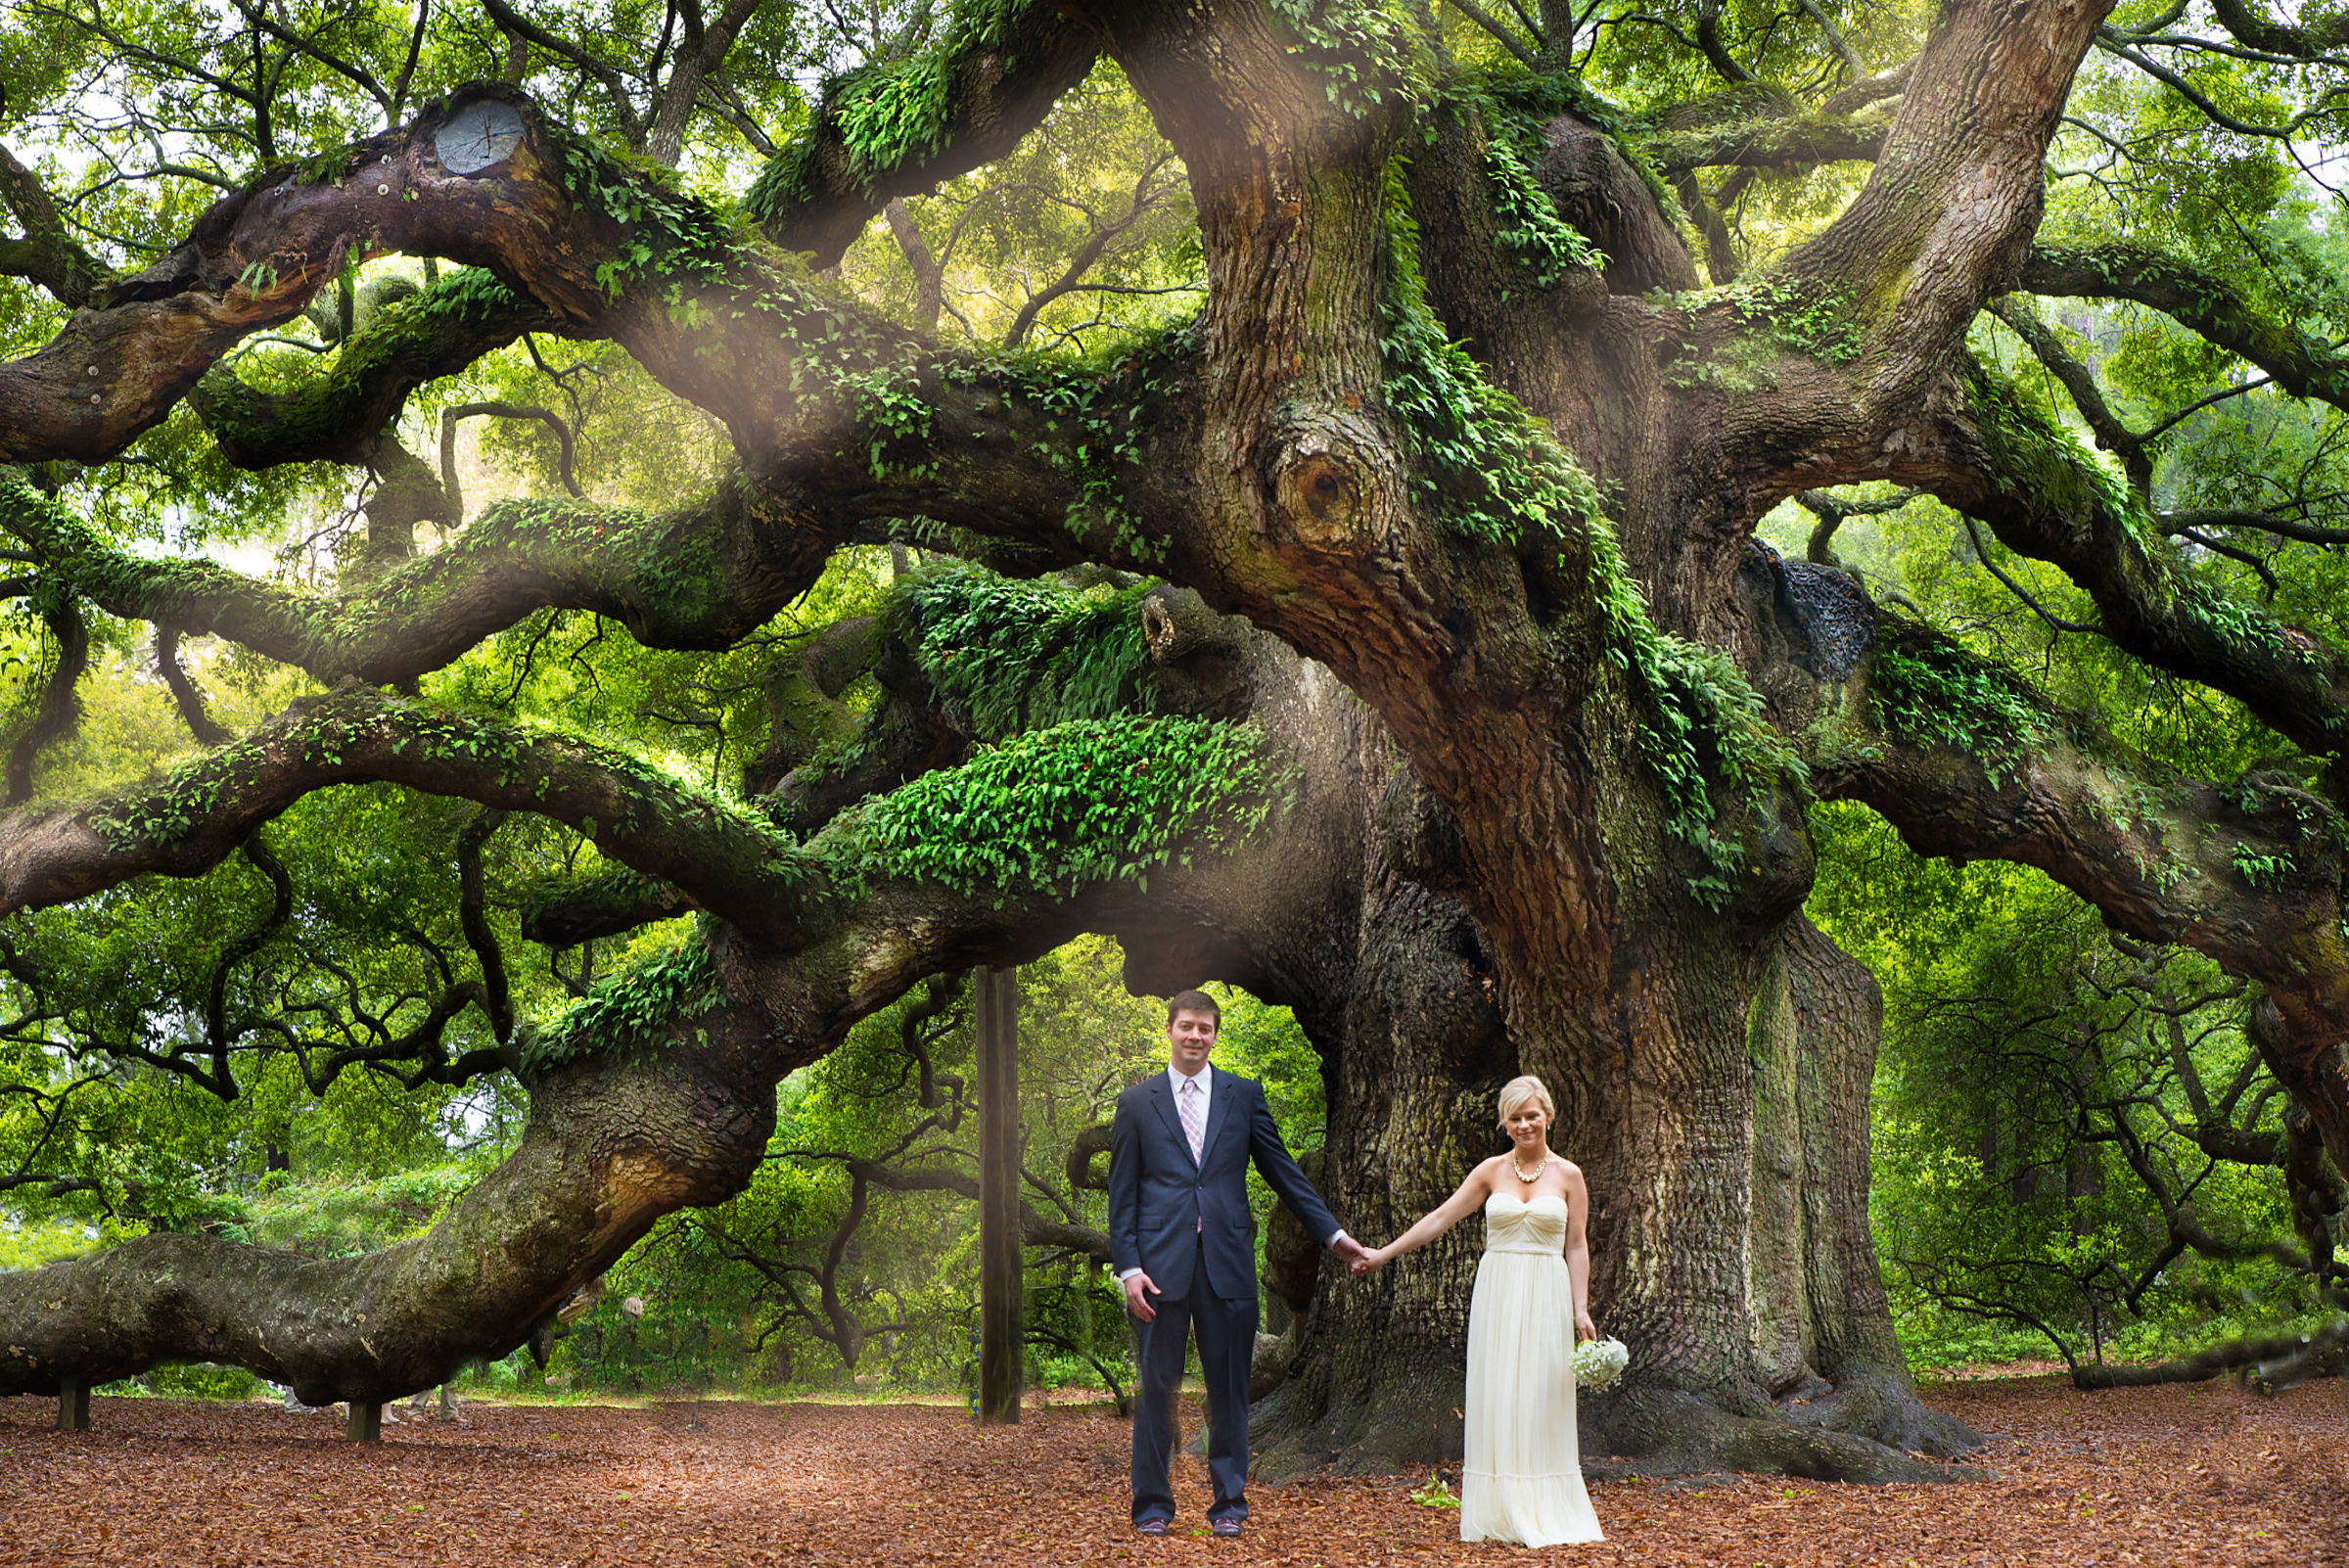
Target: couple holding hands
<point>1183,1241</point>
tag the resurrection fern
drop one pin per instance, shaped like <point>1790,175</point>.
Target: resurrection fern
<point>636,1009</point>
<point>1086,801</point>
<point>1492,469</point>
<point>1938,693</point>
<point>891,113</point>
<point>1016,655</point>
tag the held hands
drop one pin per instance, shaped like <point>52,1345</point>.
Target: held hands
<point>1354,1253</point>
<point>1138,1287</point>
<point>1370,1262</point>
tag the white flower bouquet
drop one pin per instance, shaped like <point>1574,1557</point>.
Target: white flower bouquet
<point>1599,1363</point>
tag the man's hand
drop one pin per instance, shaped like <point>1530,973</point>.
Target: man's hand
<point>1138,1287</point>
<point>1353,1252</point>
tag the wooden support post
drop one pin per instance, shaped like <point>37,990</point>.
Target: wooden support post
<point>1001,1339</point>
<point>73,1405</point>
<point>366,1422</point>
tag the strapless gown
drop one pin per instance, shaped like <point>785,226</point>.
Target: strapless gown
<point>1521,1476</point>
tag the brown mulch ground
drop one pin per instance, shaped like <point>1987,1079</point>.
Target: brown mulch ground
<point>2160,1476</point>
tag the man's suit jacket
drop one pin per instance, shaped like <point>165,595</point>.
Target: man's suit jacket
<point>1161,1206</point>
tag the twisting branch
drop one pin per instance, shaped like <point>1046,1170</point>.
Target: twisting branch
<point>498,1001</point>
<point>2078,379</point>
<point>184,695</point>
<point>449,418</point>
<point>60,709</point>
<point>820,192</point>
<point>703,576</point>
<point>48,254</point>
<point>2203,304</point>
<point>53,1119</point>
<point>2056,622</point>
<point>1832,510</point>
<point>730,862</point>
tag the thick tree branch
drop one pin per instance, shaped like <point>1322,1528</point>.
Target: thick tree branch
<point>2044,499</point>
<point>2078,379</point>
<point>59,707</point>
<point>1969,763</point>
<point>731,863</point>
<point>1949,212</point>
<point>2203,304</point>
<point>1767,143</point>
<point>48,254</point>
<point>337,415</point>
<point>703,578</point>
<point>184,695</point>
<point>982,92</point>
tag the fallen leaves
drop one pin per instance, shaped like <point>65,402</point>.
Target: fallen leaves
<point>2125,1476</point>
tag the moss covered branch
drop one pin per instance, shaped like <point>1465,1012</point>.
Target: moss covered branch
<point>2303,366</point>
<point>899,127</point>
<point>703,576</point>
<point>2046,496</point>
<point>730,860</point>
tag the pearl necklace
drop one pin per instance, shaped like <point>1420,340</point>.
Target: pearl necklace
<point>1529,1180</point>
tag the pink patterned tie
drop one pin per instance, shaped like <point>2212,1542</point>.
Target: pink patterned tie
<point>1194,1120</point>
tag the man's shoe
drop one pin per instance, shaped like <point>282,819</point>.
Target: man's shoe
<point>1151,1527</point>
<point>1224,1527</point>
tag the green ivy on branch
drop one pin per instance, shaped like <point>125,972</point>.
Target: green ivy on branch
<point>1497,474</point>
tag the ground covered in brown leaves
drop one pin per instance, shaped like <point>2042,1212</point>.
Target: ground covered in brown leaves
<point>2173,1475</point>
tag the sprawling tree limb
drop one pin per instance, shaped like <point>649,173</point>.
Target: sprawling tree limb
<point>2045,500</point>
<point>2087,396</point>
<point>48,254</point>
<point>1967,763</point>
<point>1767,143</point>
<point>59,707</point>
<point>1948,211</point>
<point>731,862</point>
<point>256,260</point>
<point>364,389</point>
<point>995,85</point>
<point>701,577</point>
<point>2206,305</point>
<point>2250,27</point>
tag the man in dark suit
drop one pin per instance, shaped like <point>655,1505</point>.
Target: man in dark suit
<point>1183,1243</point>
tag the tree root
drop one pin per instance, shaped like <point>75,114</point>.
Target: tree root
<point>1664,1433</point>
<point>1868,1429</point>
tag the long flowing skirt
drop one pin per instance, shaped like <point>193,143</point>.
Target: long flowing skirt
<point>1521,1479</point>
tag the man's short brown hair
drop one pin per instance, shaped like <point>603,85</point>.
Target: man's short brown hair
<point>1194,1001</point>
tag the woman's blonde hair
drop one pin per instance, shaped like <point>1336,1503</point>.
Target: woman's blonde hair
<point>1517,1090</point>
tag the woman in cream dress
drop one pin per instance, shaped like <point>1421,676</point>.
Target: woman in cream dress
<point>1521,1476</point>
